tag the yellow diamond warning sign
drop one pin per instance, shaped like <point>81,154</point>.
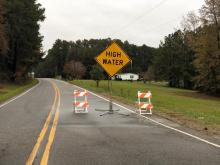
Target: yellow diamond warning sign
<point>113,59</point>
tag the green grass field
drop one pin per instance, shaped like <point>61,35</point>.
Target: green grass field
<point>184,106</point>
<point>8,91</point>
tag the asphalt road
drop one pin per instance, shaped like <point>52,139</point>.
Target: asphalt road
<point>41,128</point>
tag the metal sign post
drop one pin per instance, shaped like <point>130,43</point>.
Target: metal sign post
<point>110,96</point>
<point>112,60</point>
<point>110,110</point>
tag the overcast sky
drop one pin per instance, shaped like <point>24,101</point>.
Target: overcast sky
<point>138,21</point>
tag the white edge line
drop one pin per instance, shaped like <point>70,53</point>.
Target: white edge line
<point>159,123</point>
<point>20,95</point>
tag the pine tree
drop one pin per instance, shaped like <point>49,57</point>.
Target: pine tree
<point>3,44</point>
<point>3,41</point>
<point>22,19</point>
<point>174,61</point>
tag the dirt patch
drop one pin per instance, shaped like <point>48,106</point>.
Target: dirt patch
<point>2,90</point>
<point>1,86</point>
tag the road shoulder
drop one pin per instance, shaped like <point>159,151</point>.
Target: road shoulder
<point>9,92</point>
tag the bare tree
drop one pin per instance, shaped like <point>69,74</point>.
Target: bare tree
<point>75,69</point>
<point>210,12</point>
<point>190,22</point>
<point>210,15</point>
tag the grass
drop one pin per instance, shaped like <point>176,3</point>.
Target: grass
<point>186,107</point>
<point>8,91</point>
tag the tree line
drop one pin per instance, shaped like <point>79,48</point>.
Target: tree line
<point>188,58</point>
<point>79,57</point>
<point>20,40</point>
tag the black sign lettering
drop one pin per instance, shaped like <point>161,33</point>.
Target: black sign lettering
<point>112,62</point>
<point>104,61</point>
<point>119,54</point>
<point>113,54</point>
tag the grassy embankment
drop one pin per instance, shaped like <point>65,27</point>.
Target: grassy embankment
<point>186,107</point>
<point>8,91</point>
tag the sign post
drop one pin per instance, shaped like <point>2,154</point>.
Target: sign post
<point>112,60</point>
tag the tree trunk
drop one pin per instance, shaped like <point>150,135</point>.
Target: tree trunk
<point>97,83</point>
<point>214,77</point>
<point>14,62</point>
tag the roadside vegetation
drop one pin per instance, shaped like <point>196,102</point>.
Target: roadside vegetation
<point>20,45</point>
<point>20,40</point>
<point>188,58</point>
<point>8,91</point>
<point>186,107</point>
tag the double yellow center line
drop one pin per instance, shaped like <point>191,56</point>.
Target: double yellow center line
<point>55,108</point>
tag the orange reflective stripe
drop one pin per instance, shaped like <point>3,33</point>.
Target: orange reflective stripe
<point>81,104</point>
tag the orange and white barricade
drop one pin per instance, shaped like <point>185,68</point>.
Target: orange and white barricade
<point>144,107</point>
<point>80,106</point>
